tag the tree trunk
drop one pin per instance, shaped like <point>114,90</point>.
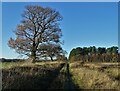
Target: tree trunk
<point>33,56</point>
<point>51,58</point>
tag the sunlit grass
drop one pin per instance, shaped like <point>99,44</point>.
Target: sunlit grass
<point>8,65</point>
<point>48,62</point>
<point>90,79</point>
<point>114,72</point>
<point>87,76</point>
<point>93,79</point>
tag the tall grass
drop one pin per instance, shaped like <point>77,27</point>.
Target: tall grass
<point>52,75</point>
<point>93,79</point>
<point>114,72</point>
<point>27,76</point>
<point>8,65</point>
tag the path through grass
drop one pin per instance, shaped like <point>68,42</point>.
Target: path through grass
<point>58,75</point>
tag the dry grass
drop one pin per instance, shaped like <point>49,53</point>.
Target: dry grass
<point>99,65</point>
<point>114,72</point>
<point>8,65</point>
<point>30,76</point>
<point>88,78</point>
<point>52,75</point>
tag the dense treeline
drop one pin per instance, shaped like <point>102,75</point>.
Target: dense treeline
<point>93,54</point>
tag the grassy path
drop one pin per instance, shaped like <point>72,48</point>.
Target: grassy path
<point>64,80</point>
<point>65,76</point>
<point>70,83</point>
<point>56,73</point>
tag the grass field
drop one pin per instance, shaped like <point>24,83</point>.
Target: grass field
<point>96,76</point>
<point>30,76</point>
<point>60,75</point>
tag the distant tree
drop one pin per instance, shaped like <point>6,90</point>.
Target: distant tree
<point>114,50</point>
<point>51,50</point>
<point>90,50</point>
<point>78,51</point>
<point>101,50</point>
<point>75,52</point>
<point>109,51</point>
<point>39,25</point>
<point>72,53</point>
<point>92,54</point>
<point>94,50</point>
<point>118,57</point>
<point>85,51</point>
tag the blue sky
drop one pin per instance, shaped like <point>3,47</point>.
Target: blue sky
<point>0,28</point>
<point>83,24</point>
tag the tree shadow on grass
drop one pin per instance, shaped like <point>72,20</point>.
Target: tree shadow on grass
<point>39,77</point>
<point>64,81</point>
<point>70,83</point>
<point>30,77</point>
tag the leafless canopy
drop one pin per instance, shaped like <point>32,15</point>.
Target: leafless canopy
<point>39,25</point>
<point>51,50</point>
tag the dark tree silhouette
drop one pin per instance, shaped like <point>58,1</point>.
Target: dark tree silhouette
<point>92,54</point>
<point>51,51</point>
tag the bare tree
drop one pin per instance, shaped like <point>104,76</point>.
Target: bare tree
<point>39,25</point>
<point>51,51</point>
